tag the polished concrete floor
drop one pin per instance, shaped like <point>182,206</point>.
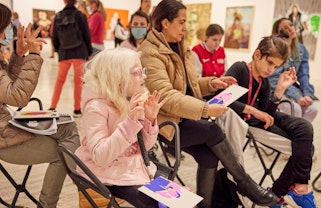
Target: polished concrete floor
<point>69,195</point>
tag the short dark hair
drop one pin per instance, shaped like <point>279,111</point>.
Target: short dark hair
<point>214,29</point>
<point>274,46</point>
<point>166,9</point>
<point>71,2</point>
<point>5,17</point>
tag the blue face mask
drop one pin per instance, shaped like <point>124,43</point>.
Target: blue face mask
<point>139,32</point>
<point>88,9</point>
<point>9,36</point>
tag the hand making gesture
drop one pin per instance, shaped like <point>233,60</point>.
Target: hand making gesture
<point>28,40</point>
<point>152,106</point>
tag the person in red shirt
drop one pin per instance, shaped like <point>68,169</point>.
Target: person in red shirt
<point>96,23</point>
<point>210,54</point>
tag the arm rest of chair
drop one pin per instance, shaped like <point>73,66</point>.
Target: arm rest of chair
<point>36,100</point>
<point>290,102</point>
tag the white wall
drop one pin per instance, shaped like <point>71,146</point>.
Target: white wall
<point>6,2</point>
<point>262,21</point>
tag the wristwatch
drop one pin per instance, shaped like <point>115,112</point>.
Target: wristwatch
<point>274,98</point>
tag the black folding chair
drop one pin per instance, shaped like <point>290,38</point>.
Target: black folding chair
<point>67,157</point>
<point>314,186</point>
<point>259,150</point>
<point>163,146</point>
<point>20,188</point>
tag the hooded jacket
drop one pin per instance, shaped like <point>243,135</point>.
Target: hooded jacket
<point>109,146</point>
<point>18,80</point>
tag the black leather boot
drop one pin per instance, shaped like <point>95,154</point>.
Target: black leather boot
<point>205,180</point>
<point>245,184</point>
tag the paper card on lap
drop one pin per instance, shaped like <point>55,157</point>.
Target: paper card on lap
<point>229,95</point>
<point>170,193</point>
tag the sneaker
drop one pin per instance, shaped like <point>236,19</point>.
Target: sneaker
<point>300,200</point>
<point>77,113</point>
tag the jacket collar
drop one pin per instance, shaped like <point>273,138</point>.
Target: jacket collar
<point>158,39</point>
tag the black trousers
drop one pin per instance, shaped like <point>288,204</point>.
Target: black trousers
<point>298,167</point>
<point>196,138</point>
<point>133,196</point>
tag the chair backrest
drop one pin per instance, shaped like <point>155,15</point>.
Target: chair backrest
<point>69,160</point>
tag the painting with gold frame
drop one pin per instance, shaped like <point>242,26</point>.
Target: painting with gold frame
<point>44,18</point>
<point>238,27</point>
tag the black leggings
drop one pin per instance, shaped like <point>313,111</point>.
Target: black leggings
<point>133,196</point>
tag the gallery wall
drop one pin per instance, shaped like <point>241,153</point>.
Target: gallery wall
<point>262,21</point>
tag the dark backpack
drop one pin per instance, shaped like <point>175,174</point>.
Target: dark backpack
<point>68,30</point>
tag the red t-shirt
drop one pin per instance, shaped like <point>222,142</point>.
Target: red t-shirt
<point>213,63</point>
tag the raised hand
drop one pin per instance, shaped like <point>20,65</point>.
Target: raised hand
<point>152,106</point>
<point>28,40</point>
<point>287,78</point>
<point>136,111</point>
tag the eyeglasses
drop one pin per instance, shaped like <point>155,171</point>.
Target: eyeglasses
<point>139,73</point>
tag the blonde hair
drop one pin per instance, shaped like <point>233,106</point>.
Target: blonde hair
<point>108,74</point>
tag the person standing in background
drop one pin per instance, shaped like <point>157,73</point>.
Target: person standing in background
<point>139,26</point>
<point>145,6</point>
<point>75,55</point>
<point>210,54</point>
<point>120,33</point>
<point>81,6</point>
<point>96,23</point>
<point>15,25</point>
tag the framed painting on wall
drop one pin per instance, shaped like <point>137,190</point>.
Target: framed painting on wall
<point>112,16</point>
<point>44,18</point>
<point>198,18</point>
<point>238,26</point>
<point>305,16</point>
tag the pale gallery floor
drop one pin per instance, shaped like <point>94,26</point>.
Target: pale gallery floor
<point>69,195</point>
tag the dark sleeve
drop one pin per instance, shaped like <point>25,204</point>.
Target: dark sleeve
<point>85,32</point>
<point>54,38</point>
<point>264,103</point>
<point>240,72</point>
